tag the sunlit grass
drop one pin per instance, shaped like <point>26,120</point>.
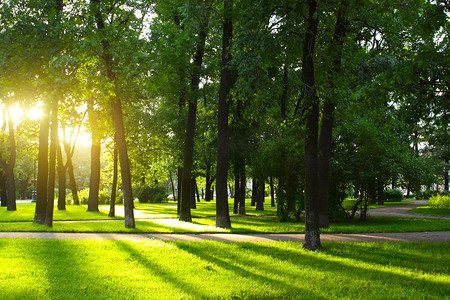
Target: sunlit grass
<point>151,269</point>
<point>426,210</point>
<point>25,213</point>
<point>239,225</point>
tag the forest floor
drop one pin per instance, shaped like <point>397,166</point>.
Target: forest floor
<point>398,211</point>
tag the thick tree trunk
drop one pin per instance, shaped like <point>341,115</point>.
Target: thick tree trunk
<point>54,141</point>
<point>94,180</point>
<point>222,212</point>
<point>112,205</point>
<point>61,179</point>
<point>260,195</point>
<point>10,182</point>
<point>312,233</point>
<point>42,177</point>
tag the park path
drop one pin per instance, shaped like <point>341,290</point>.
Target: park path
<point>403,211</point>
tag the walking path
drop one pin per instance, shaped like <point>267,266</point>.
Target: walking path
<point>400,211</point>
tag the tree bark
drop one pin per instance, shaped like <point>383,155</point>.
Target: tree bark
<point>185,213</point>
<point>222,212</point>
<point>61,179</point>
<point>260,195</point>
<point>272,193</point>
<point>54,141</point>
<point>312,233</point>
<point>117,117</point>
<point>10,182</point>
<point>42,177</point>
<point>94,180</point>
<point>326,131</point>
<point>3,189</point>
<point>112,206</point>
<point>242,188</point>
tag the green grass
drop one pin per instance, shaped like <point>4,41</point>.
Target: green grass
<point>426,210</point>
<point>25,213</point>
<point>104,269</point>
<point>239,225</point>
<point>348,204</point>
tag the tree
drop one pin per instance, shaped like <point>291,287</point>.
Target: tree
<point>222,213</point>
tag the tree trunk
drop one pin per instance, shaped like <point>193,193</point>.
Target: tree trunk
<point>326,131</point>
<point>242,188</point>
<point>209,182</point>
<point>117,117</point>
<point>446,175</point>
<point>237,190</point>
<point>42,178</point>
<point>254,192</point>
<point>73,183</point>
<point>10,182</point>
<point>94,180</point>
<point>179,176</point>
<point>3,189</point>
<point>112,206</point>
<point>272,193</point>
<point>222,212</point>
<point>380,189</point>
<point>128,200</point>
<point>61,179</point>
<point>260,195</point>
<point>312,233</point>
<point>185,213</point>
<point>54,141</point>
<point>192,202</point>
<point>172,186</point>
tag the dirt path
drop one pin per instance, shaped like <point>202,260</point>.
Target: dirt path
<point>402,211</point>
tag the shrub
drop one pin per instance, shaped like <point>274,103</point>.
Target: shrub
<point>439,201</point>
<point>425,195</point>
<point>151,194</point>
<point>393,195</point>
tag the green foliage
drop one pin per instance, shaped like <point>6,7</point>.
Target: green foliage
<point>151,193</point>
<point>439,201</point>
<point>104,197</point>
<point>393,195</point>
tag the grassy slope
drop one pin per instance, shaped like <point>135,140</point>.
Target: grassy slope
<point>64,269</point>
<point>426,210</point>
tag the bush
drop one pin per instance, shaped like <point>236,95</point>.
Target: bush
<point>425,195</point>
<point>439,201</point>
<point>151,194</point>
<point>104,197</point>
<point>393,195</point>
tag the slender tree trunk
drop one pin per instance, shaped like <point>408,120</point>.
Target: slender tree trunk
<point>242,188</point>
<point>172,186</point>
<point>3,189</point>
<point>185,213</point>
<point>192,203</point>
<point>179,176</point>
<point>117,117</point>
<point>54,141</point>
<point>312,233</point>
<point>237,190</point>
<point>272,193</point>
<point>254,192</point>
<point>94,181</point>
<point>10,182</point>
<point>112,206</point>
<point>446,175</point>
<point>222,212</point>
<point>42,177</point>
<point>260,195</point>
<point>61,179</point>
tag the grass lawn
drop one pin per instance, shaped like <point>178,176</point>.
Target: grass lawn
<point>239,225</point>
<point>104,269</point>
<point>348,204</point>
<point>426,210</point>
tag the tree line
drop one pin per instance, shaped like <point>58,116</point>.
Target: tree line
<point>311,97</point>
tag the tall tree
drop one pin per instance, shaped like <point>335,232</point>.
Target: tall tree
<point>222,212</point>
<point>312,233</point>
